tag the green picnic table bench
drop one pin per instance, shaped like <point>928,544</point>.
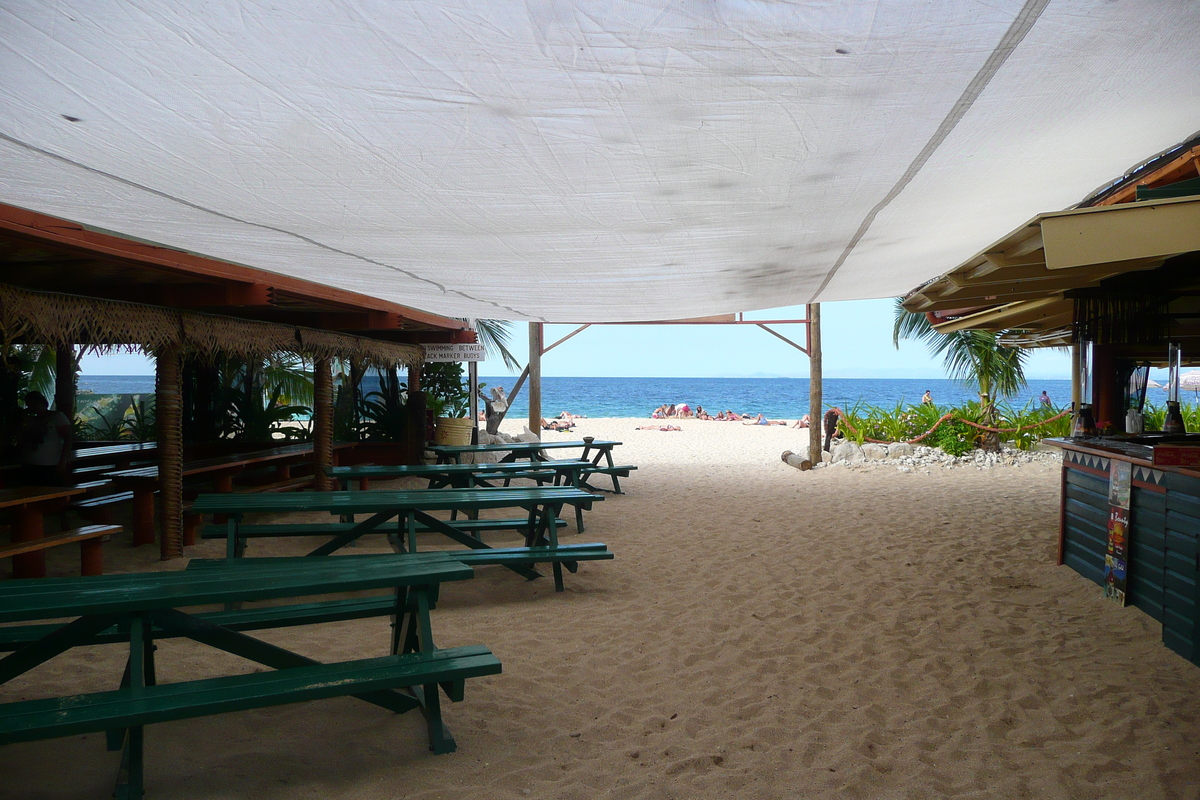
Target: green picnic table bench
<point>475,527</point>
<point>408,508</point>
<point>260,618</point>
<point>564,555</point>
<point>594,452</point>
<point>471,476</point>
<point>135,609</point>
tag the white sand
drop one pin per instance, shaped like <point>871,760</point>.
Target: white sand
<point>762,633</point>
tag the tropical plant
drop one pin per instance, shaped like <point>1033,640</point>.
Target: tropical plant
<point>258,398</point>
<point>493,335</point>
<point>384,413</point>
<point>445,392</point>
<point>974,357</point>
<point>953,437</point>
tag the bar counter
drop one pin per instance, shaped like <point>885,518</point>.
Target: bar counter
<point>1164,526</point>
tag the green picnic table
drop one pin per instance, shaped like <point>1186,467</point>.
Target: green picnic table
<point>469,476</point>
<point>409,508</point>
<point>465,476</point>
<point>136,609</point>
<point>594,451</point>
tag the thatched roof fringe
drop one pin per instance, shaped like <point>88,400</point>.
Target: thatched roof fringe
<point>54,319</point>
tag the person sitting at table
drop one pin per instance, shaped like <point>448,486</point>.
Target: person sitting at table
<point>44,442</point>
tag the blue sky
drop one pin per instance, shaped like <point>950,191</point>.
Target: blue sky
<point>857,343</point>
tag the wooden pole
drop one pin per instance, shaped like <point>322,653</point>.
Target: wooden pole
<point>1076,385</point>
<point>64,383</point>
<point>169,410</point>
<point>322,423</point>
<point>473,388</point>
<point>535,377</point>
<point>815,412</point>
<point>415,407</point>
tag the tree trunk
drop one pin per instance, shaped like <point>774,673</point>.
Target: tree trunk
<point>169,407</point>
<point>322,424</point>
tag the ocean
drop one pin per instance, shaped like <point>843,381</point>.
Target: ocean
<point>780,398</point>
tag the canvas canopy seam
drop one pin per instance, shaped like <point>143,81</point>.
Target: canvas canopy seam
<point>1021,25</point>
<point>263,226</point>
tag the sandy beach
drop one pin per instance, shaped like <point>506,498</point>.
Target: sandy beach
<point>762,633</point>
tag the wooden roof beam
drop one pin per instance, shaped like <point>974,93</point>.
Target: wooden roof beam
<point>1011,315</point>
<point>78,239</point>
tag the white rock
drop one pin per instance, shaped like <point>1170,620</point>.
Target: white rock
<point>874,452</point>
<point>900,450</point>
<point>847,452</point>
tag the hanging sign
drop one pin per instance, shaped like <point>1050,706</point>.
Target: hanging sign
<point>454,352</point>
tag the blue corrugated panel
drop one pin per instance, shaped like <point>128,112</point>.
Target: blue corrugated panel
<point>1180,567</point>
<point>1086,539</point>
<point>1146,523</point>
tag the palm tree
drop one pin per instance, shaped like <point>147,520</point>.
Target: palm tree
<point>493,335</point>
<point>973,357</point>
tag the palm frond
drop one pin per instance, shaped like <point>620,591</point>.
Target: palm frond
<point>493,335</point>
<point>974,357</point>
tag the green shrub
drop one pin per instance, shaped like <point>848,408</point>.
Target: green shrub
<point>953,437</point>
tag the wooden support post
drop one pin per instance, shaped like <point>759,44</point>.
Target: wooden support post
<point>535,377</point>
<point>415,407</point>
<point>815,411</point>
<point>322,423</point>
<point>169,409</point>
<point>473,389</point>
<point>64,381</point>
<point>1076,384</point>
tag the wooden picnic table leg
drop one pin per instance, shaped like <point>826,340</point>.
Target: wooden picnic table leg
<point>143,514</point>
<point>29,527</point>
<point>609,459</point>
<point>91,556</point>
<point>223,483</point>
<point>233,547</point>
<point>140,671</point>
<point>343,539</point>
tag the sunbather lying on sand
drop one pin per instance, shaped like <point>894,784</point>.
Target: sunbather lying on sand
<point>761,420</point>
<point>658,428</point>
<point>556,425</point>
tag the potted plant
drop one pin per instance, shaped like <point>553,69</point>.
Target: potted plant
<point>447,398</point>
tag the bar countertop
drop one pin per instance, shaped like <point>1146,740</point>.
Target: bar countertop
<point>1135,449</point>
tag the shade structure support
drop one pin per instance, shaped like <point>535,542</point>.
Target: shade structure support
<point>815,412</point>
<point>538,348</point>
<point>473,389</point>
<point>169,410</point>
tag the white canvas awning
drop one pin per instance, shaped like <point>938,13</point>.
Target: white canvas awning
<point>585,161</point>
